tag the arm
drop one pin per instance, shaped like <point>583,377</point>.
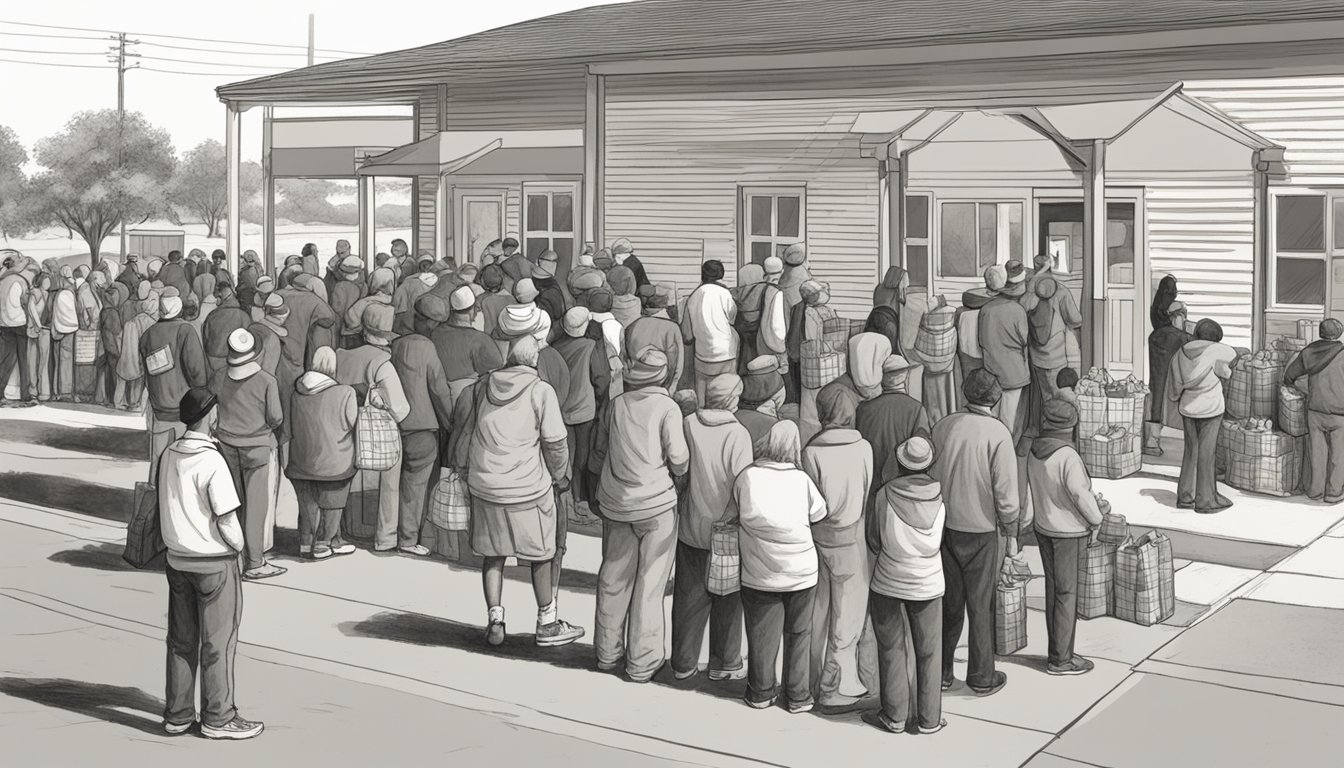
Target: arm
<point>1175,381</point>
<point>730,510</point>
<point>922,425</point>
<point>816,503</point>
<point>223,497</point>
<point>439,393</point>
<point>1296,370</point>
<point>1003,481</point>
<point>1068,309</point>
<point>193,358</point>
<point>274,415</point>
<point>688,328</point>
<point>554,436</point>
<point>600,372</point>
<point>486,358</point>
<point>1019,330</point>
<point>230,530</point>
<point>393,395</point>
<point>1079,486</point>
<point>674,441</point>
<point>774,330</point>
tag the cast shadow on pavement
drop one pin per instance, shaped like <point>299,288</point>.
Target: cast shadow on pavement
<point>95,700</point>
<point>114,443</point>
<point>100,557</point>
<point>1160,496</point>
<point>69,494</point>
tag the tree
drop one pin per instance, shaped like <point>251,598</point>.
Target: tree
<point>200,184</point>
<point>101,171</point>
<point>304,201</point>
<point>13,213</point>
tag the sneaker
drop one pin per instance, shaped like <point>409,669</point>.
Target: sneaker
<point>494,634</point>
<point>932,729</point>
<point>558,633</point>
<point>834,701</point>
<point>1075,666</point>
<point>1185,505</point>
<point>608,668</point>
<point>679,675</point>
<point>800,707</point>
<point>236,729</point>
<point>881,720</point>
<point>419,550</point>
<point>724,675</point>
<point>758,704</point>
<point>320,553</point>
<point>344,548</point>
<point>1220,503</point>
<point>1000,680</point>
<point>948,682</point>
<point>177,729</point>
<point>266,571</point>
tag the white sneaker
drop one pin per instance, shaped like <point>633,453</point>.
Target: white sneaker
<point>177,729</point>
<point>419,550</point>
<point>236,729</point>
<point>721,675</point>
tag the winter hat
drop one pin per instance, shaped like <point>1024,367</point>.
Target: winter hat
<point>575,322</point>
<point>981,388</point>
<point>915,454</point>
<point>377,322</point>
<point>762,381</point>
<point>1067,378</point>
<point>547,264</point>
<point>242,347</point>
<point>772,266</point>
<point>599,300</point>
<point>1046,287</point>
<point>1015,271</point>
<point>721,391</point>
<point>468,273</point>
<point>836,408</point>
<point>895,372</point>
<point>686,401</point>
<point>1059,415</point>
<point>622,247</point>
<point>996,277</point>
<point>382,279</point>
<point>795,255</point>
<point>525,291</point>
<point>586,281</point>
<point>652,298</point>
<point>621,280</point>
<point>461,299</point>
<point>648,367</point>
<point>491,277</point>
<point>750,274</point>
<point>603,260</point>
<point>867,353</point>
<point>351,265</point>
<point>195,405</point>
<point>814,293</point>
<point>1331,328</point>
<point>169,307</point>
<point>432,307</point>
<point>275,311</point>
<point>523,320</point>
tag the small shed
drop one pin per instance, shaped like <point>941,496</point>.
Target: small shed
<point>155,243</point>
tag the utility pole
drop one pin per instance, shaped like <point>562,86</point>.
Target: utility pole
<point>118,56</point>
<point>312,37</point>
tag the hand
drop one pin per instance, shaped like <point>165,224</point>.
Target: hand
<point>1013,549</point>
<point>376,399</point>
<point>562,484</point>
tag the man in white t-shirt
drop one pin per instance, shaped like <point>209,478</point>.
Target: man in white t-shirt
<point>198,506</point>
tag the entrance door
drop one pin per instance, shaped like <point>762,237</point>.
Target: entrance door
<point>1125,280</point>
<point>480,221</point>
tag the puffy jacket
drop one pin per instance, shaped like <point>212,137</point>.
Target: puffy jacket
<point>1196,378</point>
<point>1323,365</point>
<point>322,429</point>
<point>906,531</point>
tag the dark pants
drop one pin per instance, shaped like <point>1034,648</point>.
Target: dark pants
<point>1059,560</point>
<point>251,469</point>
<point>1198,484</point>
<point>204,610</point>
<point>1326,478</point>
<point>769,616</point>
<point>110,378</point>
<point>14,351</point>
<point>419,463</point>
<point>970,567</point>
<point>321,504</point>
<point>693,606</point>
<point>925,618</point>
<point>793,383</point>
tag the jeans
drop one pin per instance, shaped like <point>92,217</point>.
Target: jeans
<point>318,526</point>
<point>419,464</point>
<point>924,618</point>
<point>1059,560</point>
<point>631,584</point>
<point>1326,433</point>
<point>970,568</point>
<point>14,352</point>
<point>251,468</point>
<point>1198,483</point>
<point>770,616</point>
<point>693,606</point>
<point>39,366</point>
<point>63,366</point>
<point>205,606</point>
<point>839,612</point>
<point>112,383</point>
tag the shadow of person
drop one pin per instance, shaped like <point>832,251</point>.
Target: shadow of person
<point>68,494</point>
<point>1161,496</point>
<point>101,557</point>
<point>95,700</point>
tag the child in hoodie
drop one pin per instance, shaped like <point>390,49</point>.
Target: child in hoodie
<point>1195,383</point>
<point>906,532</point>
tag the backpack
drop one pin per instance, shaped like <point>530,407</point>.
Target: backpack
<point>750,307</point>
<point>968,334</point>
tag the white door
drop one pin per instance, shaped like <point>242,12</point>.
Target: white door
<point>480,221</point>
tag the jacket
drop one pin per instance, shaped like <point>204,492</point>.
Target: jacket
<point>490,306</point>
<point>626,309</point>
<point>322,432</point>
<point>368,368</point>
<point>403,301</point>
<point>175,343</point>
<point>344,294</point>
<point>1163,344</point>
<point>1061,490</point>
<point>1003,333</point>
<point>249,410</point>
<point>885,422</point>
<point>465,352</point>
<point>719,448</point>
<point>13,289</point>
<point>227,318</point>
<point>517,442</point>
<point>550,298</point>
<point>907,534</point>
<point>310,326</point>
<point>708,324</point>
<point>1196,378</point>
<point>424,383</point>
<point>840,463</point>
<point>1323,365</point>
<point>589,377</point>
<point>643,438</point>
<point>775,506</point>
<point>272,356</point>
<point>977,468</point>
<point>660,333</point>
<point>758,424</point>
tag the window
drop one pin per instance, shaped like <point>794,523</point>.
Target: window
<point>549,221</point>
<point>1299,273</point>
<point>974,235</point>
<point>917,239</point>
<point>773,218</point>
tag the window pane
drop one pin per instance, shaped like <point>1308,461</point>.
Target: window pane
<point>1013,212</point>
<point>562,212</point>
<point>760,251</point>
<point>1339,224</point>
<point>787,226</point>
<point>1301,223</point>
<point>538,219</point>
<point>957,249</point>
<point>564,250</point>
<point>1300,281</point>
<point>989,234</point>
<point>917,265</point>
<point>1120,243</point>
<point>535,245</point>
<point>760,215</point>
<point>917,216</point>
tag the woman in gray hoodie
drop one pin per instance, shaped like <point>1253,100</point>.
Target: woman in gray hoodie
<point>1195,384</point>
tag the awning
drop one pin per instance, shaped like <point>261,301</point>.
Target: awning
<point>452,151</point>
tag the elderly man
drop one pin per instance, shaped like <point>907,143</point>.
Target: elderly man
<point>174,363</point>
<point>174,275</point>
<point>466,353</point>
<point>1004,335</point>
<point>412,287</point>
<point>1323,366</point>
<point>708,324</point>
<point>623,253</point>
<point>223,321</point>
<point>890,419</point>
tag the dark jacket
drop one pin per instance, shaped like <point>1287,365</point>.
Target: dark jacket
<point>758,424</point>
<point>224,320</point>
<point>554,370</point>
<point>343,296</point>
<point>110,325</point>
<point>185,357</point>
<point>465,352</point>
<point>130,278</point>
<point>422,379</point>
<point>249,410</point>
<point>322,445</point>
<point>1003,333</point>
<point>1323,365</point>
<point>174,275</point>
<point>633,264</point>
<point>310,327</point>
<point>589,374</point>
<point>1163,344</point>
<point>660,333</point>
<point>885,422</point>
<point>550,298</point>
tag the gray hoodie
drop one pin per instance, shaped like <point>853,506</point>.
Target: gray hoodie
<point>906,530</point>
<point>1196,379</point>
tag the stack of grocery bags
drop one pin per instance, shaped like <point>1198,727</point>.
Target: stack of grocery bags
<point>1130,579</point>
<point>1110,424</point>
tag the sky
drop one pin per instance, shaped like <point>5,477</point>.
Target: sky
<point>39,100</point>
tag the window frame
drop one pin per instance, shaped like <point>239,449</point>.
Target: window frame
<point>1327,198</point>
<point>745,239</point>
<point>936,217</point>
<point>927,240</point>
<point>550,189</point>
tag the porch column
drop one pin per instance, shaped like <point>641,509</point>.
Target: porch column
<point>898,178</point>
<point>1094,257</point>
<point>271,259</point>
<point>594,165</point>
<point>233,139</point>
<point>415,188</point>
<point>367,221</point>
<point>1261,263</point>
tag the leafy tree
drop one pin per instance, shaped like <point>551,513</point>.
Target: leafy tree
<point>305,201</point>
<point>101,171</point>
<point>200,184</point>
<point>13,156</point>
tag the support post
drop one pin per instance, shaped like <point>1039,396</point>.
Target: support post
<point>415,189</point>
<point>233,138</point>
<point>1261,263</point>
<point>368,243</point>
<point>895,208</point>
<point>1094,257</point>
<point>443,198</point>
<point>270,257</point>
<point>594,149</point>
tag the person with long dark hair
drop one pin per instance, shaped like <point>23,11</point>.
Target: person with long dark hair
<point>1158,312</point>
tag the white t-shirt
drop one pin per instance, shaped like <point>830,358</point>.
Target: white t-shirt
<point>195,487</point>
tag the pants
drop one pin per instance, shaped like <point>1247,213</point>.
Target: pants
<point>693,606</point>
<point>580,440</point>
<point>204,610</point>
<point>793,381</point>
<point>636,562</point>
<point>707,372</point>
<point>970,567</point>
<point>135,392</point>
<point>1198,484</point>
<point>839,611</point>
<point>1042,389</point>
<point>14,352</point>
<point>389,502</point>
<point>1326,433</point>
<point>419,464</point>
<point>113,386</point>
<point>63,366</point>
<point>39,366</point>
<point>769,616</point>
<point>1059,560</point>
<point>318,526</point>
<point>891,616</point>
<point>88,376</point>
<point>1012,411</point>
<point>809,422</point>
<point>162,433</point>
<point>251,469</point>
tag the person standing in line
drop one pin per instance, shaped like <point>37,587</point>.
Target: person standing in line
<point>249,417</point>
<point>1067,515</point>
<point>840,463</point>
<point>708,324</point>
<point>131,366</point>
<point>868,352</point>
<point>1323,366</point>
<point>811,316</point>
<point>623,254</point>
<point>796,272</point>
<point>382,284</point>
<point>15,284</point>
<point>64,324</point>
<point>720,448</point>
<point>348,290</point>
<point>37,305</point>
<point>129,275</point>
<point>216,329</point>
<point>905,530</point>
<point>760,319</point>
<point>410,290</point>
<point>174,275</point>
<point>550,294</point>
<point>598,302</point>
<point>763,392</point>
<point>1195,383</point>
<point>1050,322</point>
<point>656,329</point>
<point>645,447</point>
<point>625,306</point>
<point>205,288</point>
<point>270,333</point>
<point>174,363</point>
<point>110,328</point>
<point>775,505</point>
<point>198,507</point>
<point>311,262</point>
<point>890,419</point>
<point>322,456</point>
<point>1163,345</point>
<point>465,352</point>
<point>495,300</point>
<point>89,309</point>
<point>589,379</point>
<point>1004,334</point>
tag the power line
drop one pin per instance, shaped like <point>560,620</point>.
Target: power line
<point>53,53</point>
<point>210,63</point>
<point>220,50</point>
<point>53,64</point>
<point>50,37</point>
<point>206,74</point>
<point>180,37</point>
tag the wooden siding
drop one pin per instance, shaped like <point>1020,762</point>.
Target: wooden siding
<point>426,223</point>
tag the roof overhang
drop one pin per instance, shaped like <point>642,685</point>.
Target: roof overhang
<point>453,151</point>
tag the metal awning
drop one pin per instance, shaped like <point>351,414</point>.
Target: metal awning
<point>453,151</point>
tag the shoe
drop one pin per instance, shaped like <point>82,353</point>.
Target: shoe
<point>948,682</point>
<point>305,550</point>
<point>800,707</point>
<point>320,553</point>
<point>839,701</point>
<point>724,675</point>
<point>177,729</point>
<point>686,675</point>
<point>558,633</point>
<point>887,724</point>
<point>236,729</point>
<point>344,548</point>
<point>29,403</point>
<point>494,634</point>
<point>1000,680</point>
<point>266,571</point>
<point>419,550</point>
<point>1075,666</point>
<point>1185,505</point>
<point>754,704</point>
<point>603,666</point>
<point>929,730</point>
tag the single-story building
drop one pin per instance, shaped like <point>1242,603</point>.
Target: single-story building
<point>1126,140</point>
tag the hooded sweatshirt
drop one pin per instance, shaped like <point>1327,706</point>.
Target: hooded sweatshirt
<point>1196,378</point>
<point>840,462</point>
<point>518,415</point>
<point>708,323</point>
<point>1323,365</point>
<point>322,432</point>
<point>1004,334</point>
<point>907,532</point>
<point>977,465</point>
<point>720,448</point>
<point>1065,507</point>
<point>644,441</point>
<point>867,353</point>
<point>249,408</point>
<point>967,322</point>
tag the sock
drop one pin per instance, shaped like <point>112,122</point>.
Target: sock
<point>496,614</point>
<point>547,614</point>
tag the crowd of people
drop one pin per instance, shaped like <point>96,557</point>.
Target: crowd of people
<point>874,484</point>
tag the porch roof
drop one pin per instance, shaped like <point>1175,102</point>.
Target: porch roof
<point>454,151</point>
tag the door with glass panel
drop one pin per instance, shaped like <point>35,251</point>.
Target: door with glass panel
<point>550,221</point>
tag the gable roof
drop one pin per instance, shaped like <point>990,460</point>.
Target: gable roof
<point>706,28</point>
